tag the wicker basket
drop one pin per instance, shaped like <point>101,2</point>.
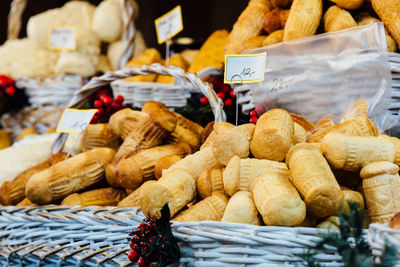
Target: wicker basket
<point>380,235</point>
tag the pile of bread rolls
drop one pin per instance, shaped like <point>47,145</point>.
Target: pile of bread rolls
<point>267,22</point>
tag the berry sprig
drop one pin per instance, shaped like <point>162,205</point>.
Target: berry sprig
<point>256,113</point>
<point>8,85</point>
<point>106,105</point>
<point>224,91</point>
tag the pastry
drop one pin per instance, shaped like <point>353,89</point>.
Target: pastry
<point>25,202</point>
<point>186,131</point>
<point>206,131</point>
<point>253,42</point>
<point>359,108</point>
<point>209,209</point>
<point>189,55</point>
<point>69,176</point>
<point>5,139</point>
<point>25,132</point>
<point>309,221</point>
<point>124,121</point>
<point>303,20</point>
<point>211,53</point>
<point>349,4</point>
<point>381,184</point>
<point>133,199</point>
<point>324,123</point>
<point>281,3</point>
<point>330,223</point>
<point>174,60</point>
<point>98,135</point>
<point>351,196</point>
<point>249,24</point>
<point>132,171</point>
<point>107,21</point>
<point>164,163</point>
<point>313,178</point>
<point>210,181</point>
<point>273,135</point>
<point>275,20</point>
<point>177,188</point>
<point>99,197</point>
<point>299,134</point>
<point>217,127</point>
<point>14,191</point>
<point>351,153</point>
<point>274,38</point>
<point>277,200</point>
<point>241,209</point>
<point>396,142</point>
<point>389,12</point>
<point>303,122</point>
<point>239,174</point>
<point>336,19</point>
<point>391,44</point>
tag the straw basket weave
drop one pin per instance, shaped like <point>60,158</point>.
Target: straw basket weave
<point>380,235</point>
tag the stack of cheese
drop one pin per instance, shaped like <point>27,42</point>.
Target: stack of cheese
<point>267,22</point>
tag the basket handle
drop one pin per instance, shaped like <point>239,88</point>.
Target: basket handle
<point>15,18</point>
<point>97,82</point>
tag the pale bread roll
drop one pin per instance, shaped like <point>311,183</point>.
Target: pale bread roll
<point>239,174</point>
<point>352,196</point>
<point>107,21</point>
<point>273,135</point>
<point>381,185</point>
<point>75,62</point>
<point>273,38</point>
<point>177,188</point>
<point>98,135</point>
<point>351,153</point>
<point>277,200</point>
<point>209,209</point>
<point>253,42</point>
<point>217,127</point>
<point>396,142</point>
<point>303,122</point>
<point>359,108</point>
<point>313,178</point>
<point>164,163</point>
<point>241,209</point>
<point>210,181</point>
<point>336,19</point>
<point>133,199</point>
<point>126,120</point>
<point>389,12</point>
<point>299,134</point>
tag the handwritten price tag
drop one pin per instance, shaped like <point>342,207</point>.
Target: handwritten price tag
<point>169,25</point>
<point>75,120</point>
<point>62,38</point>
<point>248,68</point>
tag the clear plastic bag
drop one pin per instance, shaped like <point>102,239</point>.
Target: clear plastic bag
<point>324,74</point>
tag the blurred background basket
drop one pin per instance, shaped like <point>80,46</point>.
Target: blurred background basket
<point>380,235</point>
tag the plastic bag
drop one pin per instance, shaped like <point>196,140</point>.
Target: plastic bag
<point>324,74</point>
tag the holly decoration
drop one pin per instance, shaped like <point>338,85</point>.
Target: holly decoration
<point>7,84</point>
<point>153,242</point>
<point>224,92</point>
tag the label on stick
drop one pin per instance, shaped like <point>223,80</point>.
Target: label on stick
<point>62,38</point>
<point>75,120</point>
<point>246,68</point>
<point>169,24</point>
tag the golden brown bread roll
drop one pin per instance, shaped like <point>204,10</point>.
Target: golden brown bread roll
<point>396,142</point>
<point>177,188</point>
<point>303,122</point>
<point>98,135</point>
<point>5,139</point>
<point>207,131</point>
<point>25,132</point>
<point>132,171</point>
<point>349,4</point>
<point>359,108</point>
<point>390,43</point>
<point>98,197</point>
<point>186,131</point>
<point>124,121</point>
<point>133,199</point>
<point>164,163</point>
<point>239,174</point>
<point>281,3</point>
<point>351,153</point>
<point>274,38</point>
<point>303,20</point>
<point>275,20</point>
<point>351,196</point>
<point>14,191</point>
<point>69,176</point>
<point>253,42</point>
<point>273,135</point>
<point>25,202</point>
<point>324,123</point>
<point>313,178</point>
<point>336,19</point>
<point>249,24</point>
<point>210,181</point>
<point>330,223</point>
<point>389,12</point>
<point>174,60</point>
<point>241,209</point>
<point>299,134</point>
<point>209,209</point>
<point>381,184</point>
<point>277,200</point>
<point>309,221</point>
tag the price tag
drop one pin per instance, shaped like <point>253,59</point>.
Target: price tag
<point>247,68</point>
<point>169,25</point>
<point>75,120</point>
<point>62,38</point>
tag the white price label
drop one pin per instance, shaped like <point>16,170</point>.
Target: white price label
<point>62,38</point>
<point>247,68</point>
<point>75,120</point>
<point>169,25</point>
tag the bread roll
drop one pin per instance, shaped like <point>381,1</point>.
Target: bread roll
<point>273,135</point>
<point>241,209</point>
<point>273,38</point>
<point>299,134</point>
<point>389,12</point>
<point>26,132</point>
<point>394,222</point>
<point>164,163</point>
<point>275,20</point>
<point>98,135</point>
<point>396,142</point>
<point>174,60</point>
<point>177,188</point>
<point>5,139</point>
<point>336,19</point>
<point>303,20</point>
<point>209,209</point>
<point>126,120</point>
<point>25,202</point>
<point>359,108</point>
<point>351,196</point>
<point>351,153</point>
<point>349,4</point>
<point>107,21</point>
<point>391,44</point>
<point>210,181</point>
<point>253,42</point>
<point>186,131</point>
<point>381,183</point>
<point>69,176</point>
<point>313,178</point>
<point>277,200</point>
<point>239,174</point>
<point>325,123</point>
<point>98,197</point>
<point>220,127</point>
<point>303,122</point>
<point>133,199</point>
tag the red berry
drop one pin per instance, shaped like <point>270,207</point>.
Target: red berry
<point>119,99</point>
<point>116,106</point>
<point>253,113</point>
<point>3,80</point>
<point>134,256</point>
<point>100,112</point>
<point>221,95</point>
<point>133,246</point>
<point>95,119</point>
<point>217,84</point>
<point>142,263</point>
<point>98,103</point>
<point>10,80</point>
<point>10,90</point>
<point>204,101</point>
<point>107,100</point>
<point>232,93</point>
<point>102,92</point>
<point>228,103</point>
<point>253,120</point>
<point>226,89</point>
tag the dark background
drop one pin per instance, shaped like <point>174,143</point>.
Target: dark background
<point>200,18</point>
